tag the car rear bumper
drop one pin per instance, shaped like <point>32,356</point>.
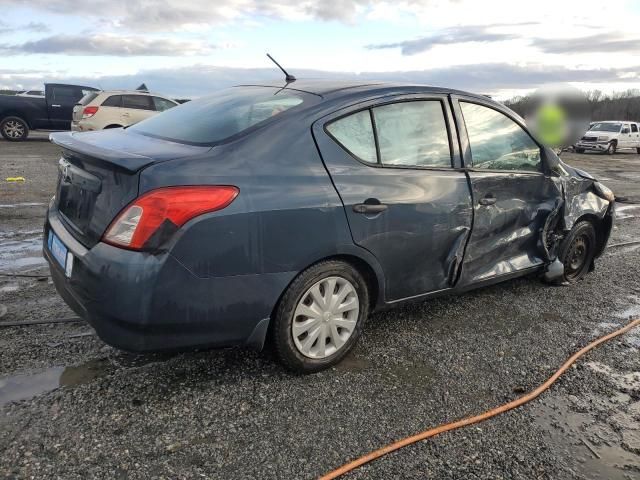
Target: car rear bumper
<point>144,302</point>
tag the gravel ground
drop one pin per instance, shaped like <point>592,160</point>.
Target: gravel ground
<point>72,407</point>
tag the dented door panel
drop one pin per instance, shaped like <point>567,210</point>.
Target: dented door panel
<point>505,234</point>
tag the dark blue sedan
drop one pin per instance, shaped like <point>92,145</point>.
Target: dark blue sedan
<point>291,213</point>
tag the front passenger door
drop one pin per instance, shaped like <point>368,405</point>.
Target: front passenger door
<point>512,196</point>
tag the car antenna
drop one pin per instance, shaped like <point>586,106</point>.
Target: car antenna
<point>288,78</point>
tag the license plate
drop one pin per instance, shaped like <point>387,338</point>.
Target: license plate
<point>61,253</point>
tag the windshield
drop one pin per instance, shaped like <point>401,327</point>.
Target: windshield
<point>217,117</point>
<point>606,127</point>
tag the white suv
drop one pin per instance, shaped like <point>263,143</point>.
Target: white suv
<point>610,136</point>
<point>116,108</point>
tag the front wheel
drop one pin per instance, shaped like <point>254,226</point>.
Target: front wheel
<point>320,316</point>
<point>579,150</point>
<point>611,149</point>
<point>577,251</point>
<point>14,129</point>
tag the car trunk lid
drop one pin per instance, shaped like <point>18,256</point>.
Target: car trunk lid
<point>98,176</point>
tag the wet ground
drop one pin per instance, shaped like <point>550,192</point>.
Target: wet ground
<point>72,407</point>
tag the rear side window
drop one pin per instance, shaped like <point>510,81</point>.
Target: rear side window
<point>88,98</point>
<point>139,102</point>
<point>113,101</point>
<point>409,134</point>
<point>162,104</point>
<point>497,142</point>
<point>634,128</point>
<point>215,118</point>
<point>355,134</point>
<point>413,134</point>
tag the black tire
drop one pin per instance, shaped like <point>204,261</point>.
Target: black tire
<point>611,149</point>
<point>287,352</point>
<point>579,150</point>
<point>638,150</point>
<point>14,129</point>
<point>577,251</point>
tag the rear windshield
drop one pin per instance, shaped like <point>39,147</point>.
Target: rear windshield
<point>88,98</point>
<point>606,127</point>
<point>217,117</point>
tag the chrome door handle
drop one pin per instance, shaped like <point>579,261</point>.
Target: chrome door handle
<point>56,106</point>
<point>369,208</point>
<point>487,200</point>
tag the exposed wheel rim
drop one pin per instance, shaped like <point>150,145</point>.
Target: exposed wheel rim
<point>325,317</point>
<point>13,129</point>
<point>577,255</point>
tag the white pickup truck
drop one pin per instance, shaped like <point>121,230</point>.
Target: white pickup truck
<point>610,136</point>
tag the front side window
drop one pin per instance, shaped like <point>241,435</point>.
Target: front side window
<point>497,142</point>
<point>215,118</point>
<point>355,134</point>
<point>162,104</point>
<point>413,134</point>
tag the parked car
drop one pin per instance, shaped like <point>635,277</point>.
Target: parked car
<point>19,114</point>
<point>291,213</point>
<point>31,93</point>
<point>117,108</point>
<point>610,136</point>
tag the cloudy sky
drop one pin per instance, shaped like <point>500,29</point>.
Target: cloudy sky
<point>191,47</point>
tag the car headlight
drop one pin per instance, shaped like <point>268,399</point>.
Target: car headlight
<point>604,192</point>
<point>603,138</point>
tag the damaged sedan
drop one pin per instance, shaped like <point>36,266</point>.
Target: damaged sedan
<point>288,214</point>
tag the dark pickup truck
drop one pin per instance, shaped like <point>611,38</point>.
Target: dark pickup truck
<point>18,115</point>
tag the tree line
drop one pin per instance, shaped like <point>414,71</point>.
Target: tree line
<point>623,105</point>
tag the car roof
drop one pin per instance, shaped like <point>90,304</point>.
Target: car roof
<point>336,88</point>
<point>132,92</point>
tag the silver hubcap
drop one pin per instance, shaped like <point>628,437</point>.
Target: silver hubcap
<point>325,317</point>
<point>13,129</point>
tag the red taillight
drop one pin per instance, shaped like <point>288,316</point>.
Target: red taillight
<point>138,222</point>
<point>89,112</point>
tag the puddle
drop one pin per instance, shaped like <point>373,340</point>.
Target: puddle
<point>9,288</point>
<point>627,211</point>
<point>20,205</point>
<point>18,254</point>
<point>351,363</point>
<point>24,387</point>
<point>593,448</point>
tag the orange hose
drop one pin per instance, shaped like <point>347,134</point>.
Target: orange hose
<point>478,418</point>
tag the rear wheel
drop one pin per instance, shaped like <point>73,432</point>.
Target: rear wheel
<point>320,316</point>
<point>14,129</point>
<point>611,149</point>
<point>638,150</point>
<point>577,251</point>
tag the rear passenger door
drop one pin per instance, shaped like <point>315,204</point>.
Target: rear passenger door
<point>395,164</point>
<point>60,102</point>
<point>136,108</point>
<point>512,194</point>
